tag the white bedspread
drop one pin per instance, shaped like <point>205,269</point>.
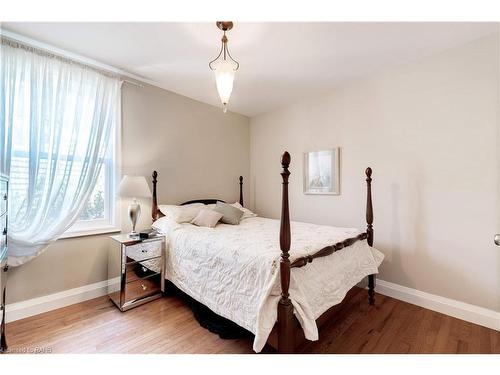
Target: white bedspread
<point>234,270</point>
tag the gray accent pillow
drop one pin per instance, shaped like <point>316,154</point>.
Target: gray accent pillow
<point>230,214</point>
<point>207,218</point>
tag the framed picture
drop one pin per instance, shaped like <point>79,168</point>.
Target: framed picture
<point>322,172</point>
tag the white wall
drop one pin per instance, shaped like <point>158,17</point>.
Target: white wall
<point>429,130</point>
<point>197,150</point>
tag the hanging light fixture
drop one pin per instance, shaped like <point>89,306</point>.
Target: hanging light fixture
<point>224,67</point>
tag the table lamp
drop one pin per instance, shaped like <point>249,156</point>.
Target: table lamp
<point>134,187</point>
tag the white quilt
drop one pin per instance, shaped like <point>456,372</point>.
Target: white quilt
<point>234,270</point>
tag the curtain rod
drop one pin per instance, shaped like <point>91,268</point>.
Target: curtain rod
<point>14,39</point>
<point>136,84</point>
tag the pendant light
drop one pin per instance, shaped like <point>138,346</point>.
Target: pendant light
<point>224,67</point>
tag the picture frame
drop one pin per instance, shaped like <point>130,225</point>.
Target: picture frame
<point>322,172</point>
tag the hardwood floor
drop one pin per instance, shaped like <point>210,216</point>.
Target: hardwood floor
<point>167,326</point>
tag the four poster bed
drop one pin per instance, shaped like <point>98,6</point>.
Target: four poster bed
<point>233,269</point>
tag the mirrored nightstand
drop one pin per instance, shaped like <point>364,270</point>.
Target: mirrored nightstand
<point>136,270</point>
<point>4,181</point>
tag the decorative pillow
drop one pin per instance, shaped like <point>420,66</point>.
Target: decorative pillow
<point>164,224</point>
<point>246,212</point>
<point>230,214</point>
<point>182,214</point>
<point>207,218</point>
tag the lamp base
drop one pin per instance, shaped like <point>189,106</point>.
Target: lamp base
<point>134,211</point>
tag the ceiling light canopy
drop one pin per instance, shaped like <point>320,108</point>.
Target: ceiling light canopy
<point>224,67</point>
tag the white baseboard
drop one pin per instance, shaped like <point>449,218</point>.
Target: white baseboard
<point>471,313</point>
<point>35,306</point>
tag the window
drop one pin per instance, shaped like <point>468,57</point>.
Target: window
<point>101,212</point>
<point>60,126</point>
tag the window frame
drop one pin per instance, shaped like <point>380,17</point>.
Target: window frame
<point>112,223</point>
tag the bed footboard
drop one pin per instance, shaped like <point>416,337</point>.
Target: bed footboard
<point>286,328</point>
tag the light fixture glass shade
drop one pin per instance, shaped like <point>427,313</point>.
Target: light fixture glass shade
<point>134,187</point>
<point>224,77</point>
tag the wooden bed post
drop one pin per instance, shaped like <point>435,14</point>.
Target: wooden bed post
<point>241,190</point>
<point>154,206</point>
<point>285,307</point>
<point>369,231</point>
<point>369,207</point>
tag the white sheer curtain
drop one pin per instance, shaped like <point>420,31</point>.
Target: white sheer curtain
<point>57,116</point>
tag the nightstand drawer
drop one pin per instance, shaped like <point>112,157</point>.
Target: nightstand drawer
<point>3,274</point>
<point>3,280</point>
<point>3,231</point>
<point>3,197</point>
<point>3,243</point>
<point>142,288</point>
<point>142,270</point>
<point>143,251</point>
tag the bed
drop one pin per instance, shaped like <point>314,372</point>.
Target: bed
<point>280,287</point>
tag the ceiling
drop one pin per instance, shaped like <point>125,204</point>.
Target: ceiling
<point>280,63</point>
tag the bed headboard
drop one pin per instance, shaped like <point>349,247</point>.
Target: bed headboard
<point>204,201</point>
<point>155,212</point>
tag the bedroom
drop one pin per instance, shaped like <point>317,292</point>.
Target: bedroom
<point>315,187</point>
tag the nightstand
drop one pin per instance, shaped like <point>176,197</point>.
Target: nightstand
<point>136,270</point>
<point>4,181</point>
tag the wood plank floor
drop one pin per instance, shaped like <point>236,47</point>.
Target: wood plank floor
<point>167,326</point>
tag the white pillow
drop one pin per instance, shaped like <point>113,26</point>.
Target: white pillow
<point>246,212</point>
<point>164,225</point>
<point>207,218</point>
<point>181,214</point>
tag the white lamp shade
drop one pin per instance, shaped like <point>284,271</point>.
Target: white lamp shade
<point>224,78</point>
<point>134,187</point>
